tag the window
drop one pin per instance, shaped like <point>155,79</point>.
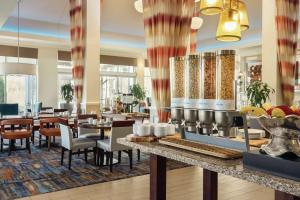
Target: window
<point>115,81</point>
<point>18,88</point>
<point>147,82</point>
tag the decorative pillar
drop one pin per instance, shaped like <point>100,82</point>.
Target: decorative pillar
<point>91,86</point>
<point>47,77</point>
<point>140,71</point>
<point>270,71</point>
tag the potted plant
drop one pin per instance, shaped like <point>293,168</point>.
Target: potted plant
<point>258,93</point>
<point>138,93</point>
<point>67,93</point>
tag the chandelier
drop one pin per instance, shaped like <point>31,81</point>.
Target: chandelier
<point>233,19</point>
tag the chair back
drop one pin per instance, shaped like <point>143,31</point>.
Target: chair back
<point>120,129</point>
<point>87,116</point>
<point>28,123</point>
<point>59,110</point>
<point>66,136</point>
<point>49,122</point>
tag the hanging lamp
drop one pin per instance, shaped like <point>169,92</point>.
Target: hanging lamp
<point>229,29</point>
<point>244,20</point>
<point>17,68</point>
<point>138,5</point>
<point>211,7</point>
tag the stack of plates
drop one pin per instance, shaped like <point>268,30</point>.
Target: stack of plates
<point>254,134</point>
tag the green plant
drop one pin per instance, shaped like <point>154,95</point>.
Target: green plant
<point>67,92</point>
<point>138,93</point>
<point>258,93</point>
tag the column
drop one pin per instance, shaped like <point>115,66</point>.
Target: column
<point>140,71</point>
<point>91,91</point>
<point>270,72</point>
<point>47,76</point>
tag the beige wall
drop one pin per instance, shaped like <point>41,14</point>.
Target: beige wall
<point>47,76</point>
<point>140,71</point>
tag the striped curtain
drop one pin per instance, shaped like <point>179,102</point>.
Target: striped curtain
<point>287,33</point>
<point>77,33</point>
<point>193,37</point>
<point>167,30</point>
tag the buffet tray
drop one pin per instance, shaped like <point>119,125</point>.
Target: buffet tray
<point>287,166</point>
<point>201,148</point>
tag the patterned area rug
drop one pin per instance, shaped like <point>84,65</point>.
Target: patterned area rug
<point>24,175</point>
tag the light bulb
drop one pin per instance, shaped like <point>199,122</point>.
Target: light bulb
<point>138,5</point>
<point>230,25</point>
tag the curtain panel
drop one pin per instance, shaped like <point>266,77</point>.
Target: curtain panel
<point>77,33</point>
<point>287,33</point>
<point>167,29</point>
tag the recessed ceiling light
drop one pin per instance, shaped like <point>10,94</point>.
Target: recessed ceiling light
<point>196,23</point>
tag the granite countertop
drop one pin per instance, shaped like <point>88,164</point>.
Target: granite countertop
<point>232,168</point>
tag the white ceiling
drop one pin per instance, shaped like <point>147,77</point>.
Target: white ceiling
<point>120,23</point>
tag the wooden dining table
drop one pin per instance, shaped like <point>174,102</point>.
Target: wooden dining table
<point>101,127</point>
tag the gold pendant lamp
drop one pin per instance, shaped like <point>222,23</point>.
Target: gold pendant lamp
<point>229,28</point>
<point>243,16</point>
<point>211,7</point>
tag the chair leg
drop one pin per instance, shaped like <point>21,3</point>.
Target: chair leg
<point>28,145</point>
<point>62,155</point>
<point>85,155</point>
<point>130,158</point>
<point>32,138</point>
<point>21,140</point>
<point>40,140</point>
<point>111,156</point>
<point>49,142</point>
<point>53,139</point>
<point>119,156</point>
<point>70,158</point>
<point>100,156</point>
<point>139,154</point>
<point>1,144</point>
<point>107,158</point>
<point>95,154</point>
<point>9,148</point>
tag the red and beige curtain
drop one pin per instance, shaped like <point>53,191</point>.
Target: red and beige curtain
<point>77,32</point>
<point>167,30</point>
<point>193,36</point>
<point>287,33</point>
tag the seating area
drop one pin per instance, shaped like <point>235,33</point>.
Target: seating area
<point>149,99</point>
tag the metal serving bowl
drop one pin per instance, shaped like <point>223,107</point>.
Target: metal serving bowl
<point>177,114</point>
<point>190,115</point>
<point>285,134</point>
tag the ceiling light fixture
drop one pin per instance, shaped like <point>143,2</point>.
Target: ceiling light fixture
<point>229,28</point>
<point>211,7</point>
<point>17,68</point>
<point>138,5</point>
<point>196,23</point>
<point>243,16</point>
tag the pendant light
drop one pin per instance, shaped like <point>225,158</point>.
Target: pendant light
<point>17,68</point>
<point>229,29</point>
<point>138,5</point>
<point>211,7</point>
<point>243,16</point>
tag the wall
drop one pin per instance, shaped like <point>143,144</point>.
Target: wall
<point>47,76</point>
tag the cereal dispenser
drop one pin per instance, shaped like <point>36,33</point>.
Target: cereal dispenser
<point>208,80</point>
<point>177,77</point>
<point>192,83</point>
<point>226,81</point>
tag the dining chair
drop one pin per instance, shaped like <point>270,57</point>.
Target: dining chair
<point>84,132</point>
<point>19,129</point>
<point>75,145</point>
<point>120,129</point>
<point>49,128</point>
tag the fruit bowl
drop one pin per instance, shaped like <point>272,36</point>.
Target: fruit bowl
<point>284,135</point>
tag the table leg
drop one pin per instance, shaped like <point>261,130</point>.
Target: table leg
<point>284,196</point>
<point>102,132</point>
<point>158,177</point>
<point>210,185</point>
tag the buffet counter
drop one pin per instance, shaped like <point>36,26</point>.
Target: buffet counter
<point>285,189</point>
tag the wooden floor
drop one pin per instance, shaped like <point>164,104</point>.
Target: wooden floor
<point>182,184</point>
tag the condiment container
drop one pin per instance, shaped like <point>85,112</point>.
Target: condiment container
<point>177,77</point>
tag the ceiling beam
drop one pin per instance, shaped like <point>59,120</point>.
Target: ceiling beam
<point>6,8</point>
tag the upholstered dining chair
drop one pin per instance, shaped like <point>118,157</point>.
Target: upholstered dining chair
<point>49,128</point>
<point>75,145</point>
<point>19,129</point>
<point>119,129</point>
